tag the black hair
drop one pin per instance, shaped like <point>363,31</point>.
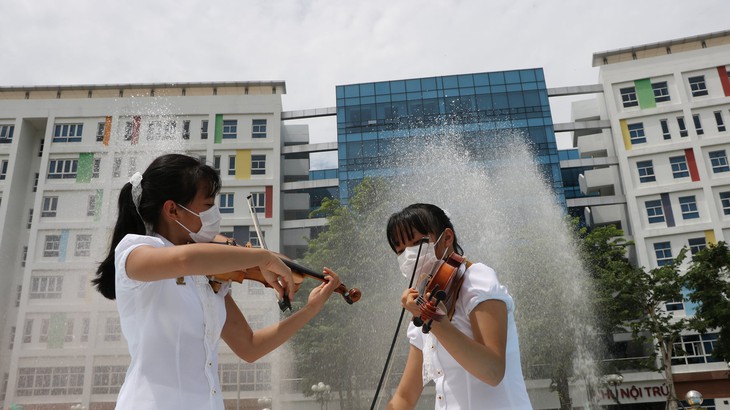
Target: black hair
<point>169,177</point>
<point>424,218</point>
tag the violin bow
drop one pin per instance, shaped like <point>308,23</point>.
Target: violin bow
<point>284,302</point>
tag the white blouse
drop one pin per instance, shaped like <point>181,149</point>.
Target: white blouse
<point>455,387</point>
<point>173,332</point>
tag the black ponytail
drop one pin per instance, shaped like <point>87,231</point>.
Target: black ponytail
<point>169,177</point>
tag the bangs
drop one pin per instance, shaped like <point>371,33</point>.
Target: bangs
<point>210,179</point>
<point>402,224</point>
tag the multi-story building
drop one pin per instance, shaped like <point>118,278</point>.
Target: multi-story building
<point>657,166</point>
<point>65,152</point>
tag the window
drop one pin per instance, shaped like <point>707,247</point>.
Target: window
<point>698,124</point>
<point>253,238</point>
<point>217,163</point>
<point>226,203</point>
<point>25,257</point>
<point>35,181</point>
<point>112,330</point>
<point>50,381</point>
<point>12,337</point>
<point>128,130</point>
<point>230,129</point>
<point>628,97</point>
<point>108,379</point>
<point>679,166</point>
<point>720,121</point>
<point>204,130</point>
<point>663,251</point>
<point>85,325</point>
<point>6,134</point>
<point>674,305</point>
<point>665,129</point>
<point>725,202</point>
<point>117,167</point>
<point>132,166</point>
<point>682,127</point>
<point>232,165</point>
<point>258,164</point>
<point>161,130</point>
<point>636,133</point>
<point>91,206</point>
<point>30,218</point>
<point>654,211</point>
<point>689,207</point>
<point>43,336</point>
<point>28,331</point>
<point>62,168</point>
<point>83,245</point>
<point>259,129</point>
<point>3,169</point>
<point>646,171</point>
<point>245,377</point>
<point>51,246</point>
<point>661,91</point>
<point>46,287</point>
<point>50,206</point>
<point>258,201</point>
<point>697,86</point>
<point>697,244</point>
<point>40,147</point>
<point>97,167</point>
<point>68,132</point>
<point>697,349</point>
<point>718,159</point>
<point>100,131</point>
<point>186,130</point>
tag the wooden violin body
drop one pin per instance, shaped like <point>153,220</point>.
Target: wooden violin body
<point>438,296</point>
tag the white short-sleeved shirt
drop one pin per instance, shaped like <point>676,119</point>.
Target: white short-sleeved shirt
<point>173,333</point>
<point>455,387</point>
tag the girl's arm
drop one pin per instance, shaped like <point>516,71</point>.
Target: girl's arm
<point>411,384</point>
<point>485,355</point>
<point>147,263</point>
<point>251,345</point>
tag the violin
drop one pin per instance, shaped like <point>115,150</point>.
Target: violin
<point>298,273</point>
<point>438,291</point>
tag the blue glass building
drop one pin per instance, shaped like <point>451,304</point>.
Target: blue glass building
<point>372,117</point>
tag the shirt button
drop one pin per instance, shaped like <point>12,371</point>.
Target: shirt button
<point>433,347</point>
<point>440,397</point>
<point>210,364</point>
<point>214,391</point>
<point>438,371</point>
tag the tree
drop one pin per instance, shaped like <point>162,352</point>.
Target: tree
<point>631,298</point>
<point>708,281</point>
<point>345,344</point>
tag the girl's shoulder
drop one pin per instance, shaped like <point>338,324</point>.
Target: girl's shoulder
<point>482,283</point>
<point>134,240</point>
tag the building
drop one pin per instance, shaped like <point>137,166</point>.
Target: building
<point>65,152</point>
<point>373,119</point>
<point>656,165</point>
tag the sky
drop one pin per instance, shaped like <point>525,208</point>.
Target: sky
<point>315,45</point>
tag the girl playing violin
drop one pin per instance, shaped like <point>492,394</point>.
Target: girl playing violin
<point>170,315</point>
<point>473,356</point>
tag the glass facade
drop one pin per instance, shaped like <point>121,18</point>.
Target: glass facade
<point>374,117</point>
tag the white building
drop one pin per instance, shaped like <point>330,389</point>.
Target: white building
<point>65,151</point>
<point>660,157</point>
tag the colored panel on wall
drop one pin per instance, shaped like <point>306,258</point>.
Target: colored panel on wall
<point>57,330</point>
<point>218,129</point>
<point>136,122</point>
<point>269,201</point>
<point>107,130</point>
<point>63,245</point>
<point>710,237</point>
<point>240,234</point>
<point>243,164</point>
<point>724,79</point>
<point>667,208</point>
<point>85,168</point>
<point>645,93</point>
<point>625,133</point>
<point>689,154</point>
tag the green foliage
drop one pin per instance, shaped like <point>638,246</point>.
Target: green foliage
<point>344,345</point>
<point>709,284</point>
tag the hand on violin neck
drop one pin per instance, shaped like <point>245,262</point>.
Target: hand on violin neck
<point>319,295</point>
<point>409,301</point>
<point>279,276</point>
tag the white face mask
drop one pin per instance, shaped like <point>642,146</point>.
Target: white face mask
<point>409,259</point>
<point>211,224</point>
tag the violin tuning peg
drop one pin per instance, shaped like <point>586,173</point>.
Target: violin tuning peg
<point>417,321</point>
<point>440,295</point>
